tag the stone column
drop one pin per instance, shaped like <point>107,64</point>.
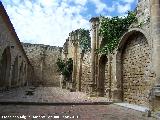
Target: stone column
<point>96,54</point>
<point>74,73</point>
<point>155,22</point>
<point>80,70</point>
<point>65,52</point>
<point>94,31</point>
<point>155,32</point>
<point>75,66</point>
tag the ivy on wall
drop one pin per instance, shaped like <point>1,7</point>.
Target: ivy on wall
<point>111,29</point>
<point>65,68</point>
<point>84,40</point>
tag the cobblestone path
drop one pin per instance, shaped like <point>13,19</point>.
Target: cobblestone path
<point>47,95</point>
<point>57,111</point>
<point>70,112</point>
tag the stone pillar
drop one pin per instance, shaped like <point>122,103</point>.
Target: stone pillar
<point>94,28</point>
<point>74,73</point>
<point>80,70</point>
<point>155,28</point>
<point>155,22</point>
<point>66,49</point>
<point>96,54</point>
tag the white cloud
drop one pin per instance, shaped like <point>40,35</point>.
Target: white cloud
<point>50,21</point>
<point>123,8</point>
<point>45,21</point>
<point>80,2</point>
<point>128,1</point>
<point>100,6</point>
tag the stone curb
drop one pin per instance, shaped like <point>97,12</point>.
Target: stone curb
<point>145,112</point>
<point>55,103</point>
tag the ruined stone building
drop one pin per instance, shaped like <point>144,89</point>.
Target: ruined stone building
<point>132,73</point>
<point>81,62</point>
<point>15,67</point>
<point>23,63</point>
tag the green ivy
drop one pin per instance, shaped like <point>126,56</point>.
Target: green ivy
<point>65,68</point>
<point>111,29</point>
<point>84,40</point>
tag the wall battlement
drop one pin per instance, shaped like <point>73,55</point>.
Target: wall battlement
<point>42,46</point>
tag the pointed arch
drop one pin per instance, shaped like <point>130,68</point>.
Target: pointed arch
<point>133,66</point>
<point>5,65</point>
<point>101,75</point>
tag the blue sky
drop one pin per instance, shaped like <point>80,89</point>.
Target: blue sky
<point>50,21</point>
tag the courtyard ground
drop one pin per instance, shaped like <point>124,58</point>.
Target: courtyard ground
<point>48,103</point>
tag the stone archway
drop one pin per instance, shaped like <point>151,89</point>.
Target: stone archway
<point>101,75</point>
<point>15,73</point>
<point>134,62</point>
<point>5,65</point>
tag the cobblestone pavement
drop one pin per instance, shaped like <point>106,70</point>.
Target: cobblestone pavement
<point>70,112</point>
<point>63,111</point>
<point>47,95</point>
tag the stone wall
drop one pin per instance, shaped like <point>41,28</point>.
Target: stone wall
<point>44,58</point>
<point>136,65</point>
<point>130,76</point>
<point>81,65</point>
<point>143,14</point>
<point>129,72</point>
<point>15,68</point>
<point>86,72</point>
<point>143,11</point>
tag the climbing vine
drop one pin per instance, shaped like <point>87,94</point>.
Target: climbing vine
<point>84,40</point>
<point>111,29</point>
<point>65,68</point>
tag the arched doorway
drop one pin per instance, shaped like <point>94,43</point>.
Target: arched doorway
<point>15,73</point>
<point>5,64</point>
<point>136,64</point>
<point>101,76</point>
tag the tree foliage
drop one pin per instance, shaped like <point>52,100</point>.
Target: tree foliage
<point>111,29</point>
<point>65,68</point>
<point>84,40</point>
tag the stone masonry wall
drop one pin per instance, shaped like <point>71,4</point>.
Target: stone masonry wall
<point>144,14</point>
<point>86,72</point>
<point>107,81</point>
<point>143,11</point>
<point>44,58</point>
<point>136,65</point>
